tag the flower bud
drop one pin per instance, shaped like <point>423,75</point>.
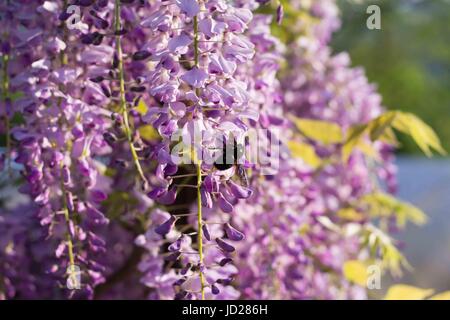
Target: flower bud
<point>225,246</point>
<point>165,228</point>
<point>232,233</point>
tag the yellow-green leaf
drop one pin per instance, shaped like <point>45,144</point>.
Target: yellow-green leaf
<point>305,152</point>
<point>423,134</point>
<point>388,136</point>
<point>350,214</point>
<point>380,242</point>
<point>406,292</point>
<point>354,137</point>
<point>379,125</point>
<point>320,131</point>
<point>380,128</point>
<point>356,272</point>
<point>381,204</point>
<point>368,150</point>
<point>148,133</point>
<point>441,296</point>
<point>142,107</point>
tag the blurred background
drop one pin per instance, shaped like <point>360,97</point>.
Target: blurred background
<point>409,59</point>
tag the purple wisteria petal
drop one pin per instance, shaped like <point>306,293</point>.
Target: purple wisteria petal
<point>206,198</point>
<point>225,205</point>
<point>214,289</point>
<point>238,191</point>
<point>225,261</point>
<point>225,246</point>
<point>195,77</point>
<point>178,244</point>
<point>219,65</point>
<point>206,233</point>
<point>280,13</point>
<point>166,227</point>
<point>232,233</point>
<point>180,44</point>
<point>189,7</point>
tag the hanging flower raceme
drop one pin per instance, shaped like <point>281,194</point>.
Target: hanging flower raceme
<point>57,144</point>
<point>200,100</point>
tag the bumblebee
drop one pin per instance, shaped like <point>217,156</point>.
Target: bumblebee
<point>229,157</point>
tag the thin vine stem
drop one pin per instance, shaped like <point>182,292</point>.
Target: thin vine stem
<point>63,60</point>
<point>122,100</point>
<point>5,89</point>
<point>199,177</point>
<point>199,226</point>
<point>68,221</point>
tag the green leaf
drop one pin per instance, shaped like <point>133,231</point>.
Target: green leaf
<point>306,152</point>
<point>117,203</point>
<point>16,95</point>
<point>320,131</point>
<point>406,292</point>
<point>384,205</point>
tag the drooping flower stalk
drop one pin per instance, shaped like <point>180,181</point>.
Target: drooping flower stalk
<point>122,99</point>
<point>199,178</point>
<point>64,193</point>
<point>200,228</point>
<point>68,220</point>
<point>7,103</point>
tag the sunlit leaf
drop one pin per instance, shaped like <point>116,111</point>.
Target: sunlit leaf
<point>148,133</point>
<point>350,214</point>
<point>379,243</point>
<point>388,137</point>
<point>354,137</point>
<point>441,296</point>
<point>368,150</point>
<point>320,131</point>
<point>380,129</point>
<point>406,292</point>
<point>423,135</point>
<point>305,152</point>
<point>356,272</point>
<point>378,126</point>
<point>384,205</point>
<point>142,107</point>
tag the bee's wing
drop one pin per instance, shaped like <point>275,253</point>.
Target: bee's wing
<point>242,174</point>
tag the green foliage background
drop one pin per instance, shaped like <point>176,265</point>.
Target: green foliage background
<point>409,58</point>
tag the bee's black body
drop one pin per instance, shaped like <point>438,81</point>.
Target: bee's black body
<point>222,163</point>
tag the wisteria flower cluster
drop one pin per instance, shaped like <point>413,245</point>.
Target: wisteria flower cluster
<point>129,132</point>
